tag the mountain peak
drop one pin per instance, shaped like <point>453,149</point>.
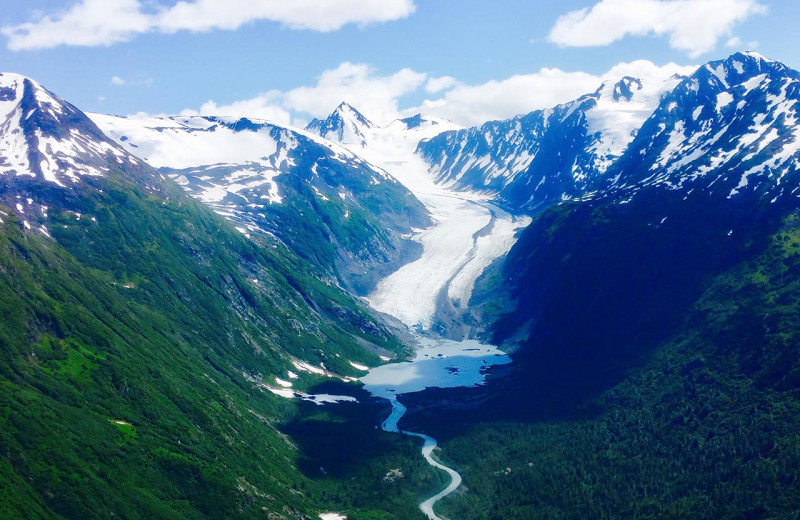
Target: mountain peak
<point>345,125</point>
<point>347,111</point>
<point>45,137</point>
<point>753,55</point>
<point>741,67</point>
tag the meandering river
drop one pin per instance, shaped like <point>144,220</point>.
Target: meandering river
<point>439,363</point>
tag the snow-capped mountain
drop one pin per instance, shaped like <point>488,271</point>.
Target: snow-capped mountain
<point>344,125</point>
<point>50,150</point>
<point>47,139</point>
<point>327,204</point>
<point>531,160</point>
<point>728,130</point>
<point>390,147</point>
<point>729,126</point>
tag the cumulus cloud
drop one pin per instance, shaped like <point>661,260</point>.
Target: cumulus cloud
<point>439,84</point>
<point>89,23</point>
<point>359,85</point>
<point>379,97</point>
<point>474,104</point>
<point>737,43</point>
<point>145,81</point>
<point>264,106</point>
<point>106,22</point>
<point>325,15</point>
<point>692,26</point>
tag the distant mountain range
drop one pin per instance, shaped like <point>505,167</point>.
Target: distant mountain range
<point>168,281</point>
<point>728,117</point>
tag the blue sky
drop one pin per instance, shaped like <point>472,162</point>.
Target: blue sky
<point>289,61</point>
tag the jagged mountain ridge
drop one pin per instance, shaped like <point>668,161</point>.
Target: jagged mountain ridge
<point>325,203</point>
<point>730,130</point>
<point>345,124</point>
<point>535,159</point>
<point>394,142</point>
<point>47,138</point>
<point>390,147</point>
<point>730,114</point>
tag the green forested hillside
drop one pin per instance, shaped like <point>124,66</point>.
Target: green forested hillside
<point>705,425</point>
<point>131,345</point>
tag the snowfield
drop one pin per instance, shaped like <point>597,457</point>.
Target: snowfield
<point>186,142</point>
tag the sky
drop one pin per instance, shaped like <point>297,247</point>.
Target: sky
<point>289,61</point>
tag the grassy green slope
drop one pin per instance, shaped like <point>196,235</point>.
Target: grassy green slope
<point>129,347</point>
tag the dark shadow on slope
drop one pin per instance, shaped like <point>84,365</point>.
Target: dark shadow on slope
<point>596,286</point>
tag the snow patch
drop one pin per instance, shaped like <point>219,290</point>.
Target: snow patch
<point>723,99</point>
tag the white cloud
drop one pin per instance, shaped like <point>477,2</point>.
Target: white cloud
<point>145,81</point>
<point>89,23</point>
<point>264,106</point>
<point>438,84</point>
<point>106,22</point>
<point>520,94</point>
<point>693,26</point>
<point>734,42</point>
<point>737,43</point>
<point>326,15</point>
<point>645,69</point>
<point>379,97</point>
<point>357,84</point>
<point>475,104</point>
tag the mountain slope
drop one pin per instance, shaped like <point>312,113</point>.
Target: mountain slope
<point>326,204</point>
<point>729,129</point>
<point>141,336</point>
<point>677,209</point>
